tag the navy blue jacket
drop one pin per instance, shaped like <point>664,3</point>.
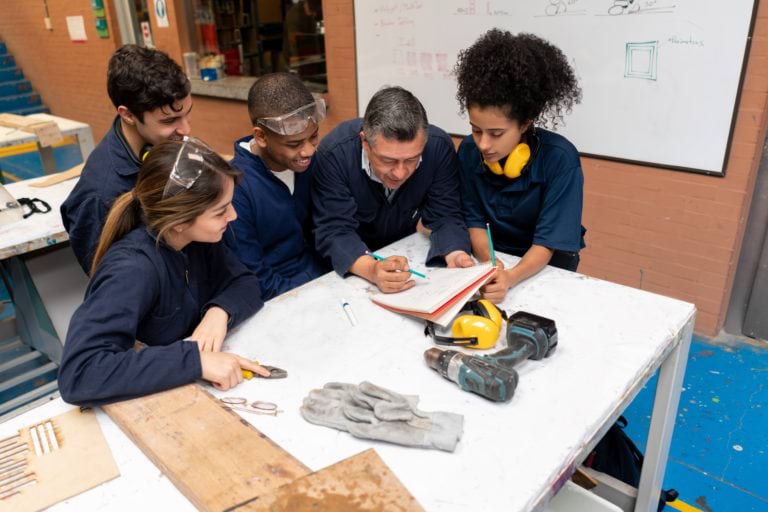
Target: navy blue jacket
<point>272,227</point>
<point>111,170</point>
<point>156,295</point>
<point>352,213</point>
<point>542,206</point>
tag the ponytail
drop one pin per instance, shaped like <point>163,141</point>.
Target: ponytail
<point>123,217</point>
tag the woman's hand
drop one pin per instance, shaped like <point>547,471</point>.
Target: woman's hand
<point>496,289</point>
<point>210,332</point>
<point>499,264</point>
<point>225,370</point>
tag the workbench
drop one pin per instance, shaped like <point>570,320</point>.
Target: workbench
<point>39,229</point>
<point>81,131</point>
<point>513,456</point>
<point>56,271</point>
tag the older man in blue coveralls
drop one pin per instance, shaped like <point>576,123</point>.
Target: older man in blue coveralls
<point>152,97</point>
<point>380,178</point>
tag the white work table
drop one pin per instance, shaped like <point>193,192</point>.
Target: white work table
<point>39,229</point>
<point>57,272</point>
<point>513,456</point>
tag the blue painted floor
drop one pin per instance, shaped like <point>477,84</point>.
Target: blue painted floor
<point>718,460</point>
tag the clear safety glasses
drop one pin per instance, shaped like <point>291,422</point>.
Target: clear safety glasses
<point>297,121</point>
<point>188,166</point>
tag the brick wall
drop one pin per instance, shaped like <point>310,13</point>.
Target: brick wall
<point>70,77</point>
<point>340,55</point>
<point>220,122</point>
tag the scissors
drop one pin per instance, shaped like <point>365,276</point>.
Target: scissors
<point>258,407</point>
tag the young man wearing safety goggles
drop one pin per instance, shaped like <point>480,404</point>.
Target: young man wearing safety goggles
<point>272,232</point>
<point>376,180</point>
<point>152,97</point>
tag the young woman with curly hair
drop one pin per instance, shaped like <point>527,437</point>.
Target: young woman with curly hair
<point>525,182</point>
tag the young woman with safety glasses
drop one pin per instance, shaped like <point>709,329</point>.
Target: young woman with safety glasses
<point>523,181</point>
<point>161,276</point>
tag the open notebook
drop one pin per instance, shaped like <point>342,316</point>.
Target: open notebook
<point>439,297</point>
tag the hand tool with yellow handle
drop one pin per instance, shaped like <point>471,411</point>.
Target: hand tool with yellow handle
<point>274,373</point>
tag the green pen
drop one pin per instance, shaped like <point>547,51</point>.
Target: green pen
<point>381,258</point>
<point>490,244</point>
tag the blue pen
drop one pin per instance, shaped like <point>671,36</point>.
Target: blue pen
<point>490,244</point>
<point>381,258</point>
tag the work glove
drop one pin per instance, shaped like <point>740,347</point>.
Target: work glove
<point>368,411</point>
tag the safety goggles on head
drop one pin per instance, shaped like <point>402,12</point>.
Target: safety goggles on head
<point>188,166</point>
<point>297,121</point>
<point>477,326</point>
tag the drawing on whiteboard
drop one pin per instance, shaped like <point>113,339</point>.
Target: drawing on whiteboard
<point>685,41</point>
<point>442,64</point>
<point>640,60</point>
<point>412,62</point>
<point>470,9</point>
<point>491,9</point>
<point>621,7</point>
<point>563,8</point>
<point>426,64</point>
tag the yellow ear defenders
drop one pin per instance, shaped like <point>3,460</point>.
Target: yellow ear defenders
<point>514,164</point>
<point>479,329</point>
<point>144,153</point>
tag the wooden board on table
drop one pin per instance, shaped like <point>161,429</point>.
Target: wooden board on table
<point>47,132</point>
<point>360,483</point>
<point>64,472</point>
<point>59,177</point>
<point>212,456</point>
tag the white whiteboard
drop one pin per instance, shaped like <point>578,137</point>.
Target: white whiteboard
<point>660,78</point>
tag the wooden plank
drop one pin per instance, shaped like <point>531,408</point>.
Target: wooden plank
<point>70,173</point>
<point>47,132</point>
<point>212,456</point>
<point>360,483</point>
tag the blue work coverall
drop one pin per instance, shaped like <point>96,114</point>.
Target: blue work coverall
<point>146,291</point>
<point>542,206</point>
<point>111,170</point>
<point>352,213</point>
<point>271,233</point>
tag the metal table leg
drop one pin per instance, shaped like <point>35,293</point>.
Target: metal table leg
<point>663,419</point>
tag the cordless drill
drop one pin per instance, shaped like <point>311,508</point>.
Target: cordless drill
<point>494,376</point>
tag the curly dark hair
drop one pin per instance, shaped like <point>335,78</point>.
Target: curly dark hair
<point>524,75</point>
<point>143,79</point>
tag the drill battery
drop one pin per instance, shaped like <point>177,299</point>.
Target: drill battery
<point>538,329</point>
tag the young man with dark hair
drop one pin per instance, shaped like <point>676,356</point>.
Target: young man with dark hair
<point>153,102</point>
<point>381,178</point>
<point>272,229</point>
